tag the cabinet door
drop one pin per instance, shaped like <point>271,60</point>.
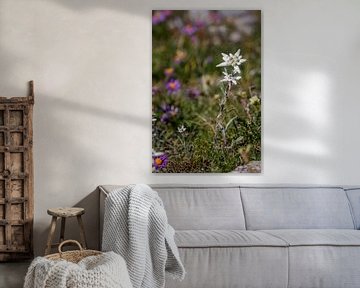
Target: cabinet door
<point>16,210</point>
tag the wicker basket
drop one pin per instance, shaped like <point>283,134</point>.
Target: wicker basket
<point>72,256</point>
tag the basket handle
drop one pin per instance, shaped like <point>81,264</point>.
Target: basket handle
<point>69,241</point>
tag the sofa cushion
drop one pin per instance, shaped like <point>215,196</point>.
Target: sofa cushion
<point>322,258</point>
<point>324,266</point>
<point>296,208</point>
<point>220,267</point>
<point>317,237</point>
<point>191,208</point>
<point>354,198</point>
<point>226,238</point>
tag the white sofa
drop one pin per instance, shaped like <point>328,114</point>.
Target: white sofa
<point>264,237</point>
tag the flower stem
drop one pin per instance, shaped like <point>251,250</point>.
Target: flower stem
<point>220,125</point>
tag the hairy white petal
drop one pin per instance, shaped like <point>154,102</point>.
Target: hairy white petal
<point>237,69</point>
<point>223,64</point>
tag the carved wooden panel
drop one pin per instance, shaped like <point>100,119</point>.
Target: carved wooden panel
<point>16,177</point>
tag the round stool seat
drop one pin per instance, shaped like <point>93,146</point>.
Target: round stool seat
<point>66,211</point>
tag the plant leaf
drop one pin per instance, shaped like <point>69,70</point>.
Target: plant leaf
<point>230,121</point>
<point>207,123</point>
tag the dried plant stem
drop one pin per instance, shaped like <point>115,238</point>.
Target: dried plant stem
<point>220,124</point>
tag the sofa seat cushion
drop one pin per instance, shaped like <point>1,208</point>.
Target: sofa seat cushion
<point>233,267</point>
<point>225,238</point>
<point>317,237</point>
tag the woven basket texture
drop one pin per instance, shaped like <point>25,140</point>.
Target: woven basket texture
<point>72,256</point>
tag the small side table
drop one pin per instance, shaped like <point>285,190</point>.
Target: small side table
<point>64,213</point>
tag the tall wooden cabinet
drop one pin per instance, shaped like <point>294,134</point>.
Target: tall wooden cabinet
<point>16,177</point>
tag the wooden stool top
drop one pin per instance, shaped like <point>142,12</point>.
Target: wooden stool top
<point>66,211</point>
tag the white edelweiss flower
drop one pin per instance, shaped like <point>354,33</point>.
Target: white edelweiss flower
<point>182,128</point>
<point>226,62</point>
<point>231,59</point>
<point>237,59</point>
<point>237,70</point>
<point>230,78</point>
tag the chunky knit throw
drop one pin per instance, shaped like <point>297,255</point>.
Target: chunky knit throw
<point>102,271</point>
<point>136,227</point>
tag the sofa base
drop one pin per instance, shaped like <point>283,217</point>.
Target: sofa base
<point>233,267</point>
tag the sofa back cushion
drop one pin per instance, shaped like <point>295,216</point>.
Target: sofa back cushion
<point>354,198</point>
<point>296,208</point>
<point>202,207</point>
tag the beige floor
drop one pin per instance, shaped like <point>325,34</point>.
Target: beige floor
<point>12,274</point>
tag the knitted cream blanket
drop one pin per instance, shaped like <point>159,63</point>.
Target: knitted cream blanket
<point>103,271</point>
<point>136,227</point>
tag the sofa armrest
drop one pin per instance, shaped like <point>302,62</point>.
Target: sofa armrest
<point>103,195</point>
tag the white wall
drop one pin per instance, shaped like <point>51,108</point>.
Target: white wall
<point>91,63</point>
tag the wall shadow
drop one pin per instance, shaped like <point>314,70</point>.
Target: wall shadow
<point>135,7</point>
<point>68,166</point>
<point>97,111</point>
<point>91,222</point>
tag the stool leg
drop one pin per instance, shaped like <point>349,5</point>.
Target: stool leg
<point>82,232</point>
<point>62,231</point>
<point>51,235</point>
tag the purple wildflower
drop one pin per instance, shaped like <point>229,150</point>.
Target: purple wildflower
<point>160,16</point>
<point>160,160</point>
<point>193,93</point>
<point>215,17</point>
<point>189,30</point>
<point>169,72</point>
<point>165,118</point>
<point>155,90</point>
<point>199,24</point>
<point>173,85</point>
<point>170,111</point>
<point>167,13</point>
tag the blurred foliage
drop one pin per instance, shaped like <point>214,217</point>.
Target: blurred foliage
<point>191,42</point>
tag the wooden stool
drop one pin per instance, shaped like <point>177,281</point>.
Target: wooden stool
<point>64,213</point>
